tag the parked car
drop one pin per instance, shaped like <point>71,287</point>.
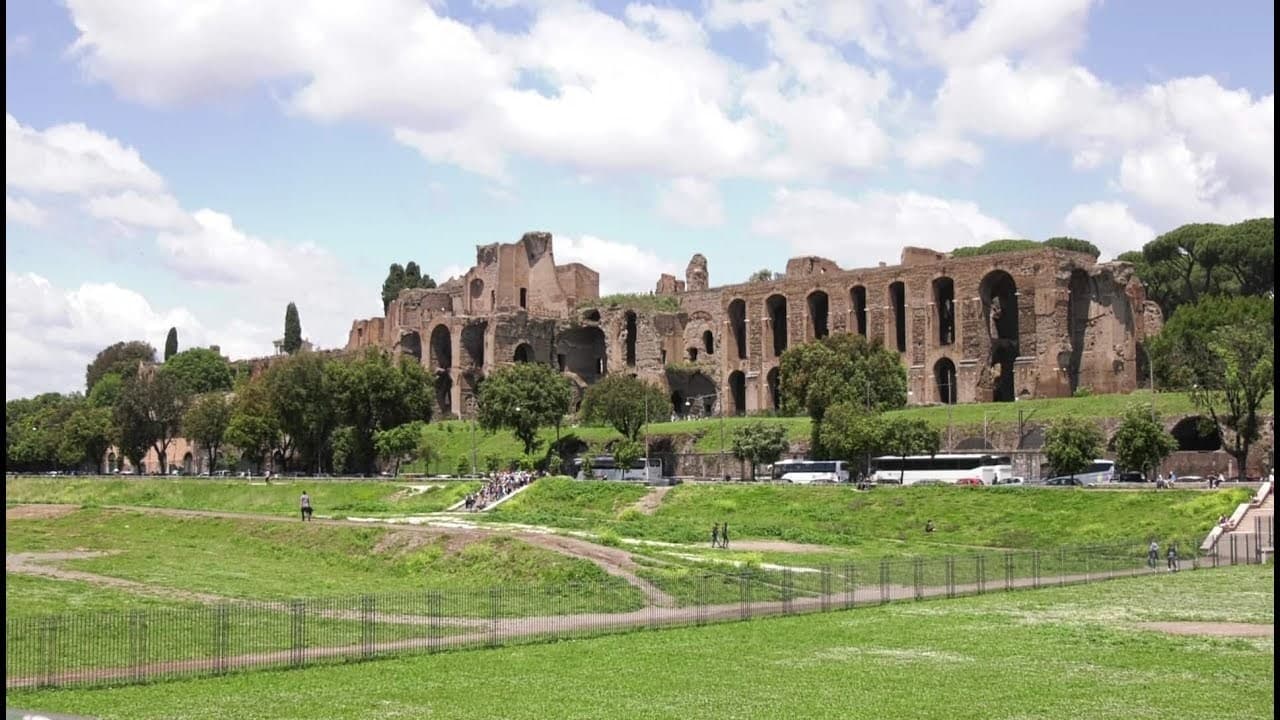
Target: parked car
<point>1131,476</point>
<point>1065,481</point>
<point>1190,479</point>
<point>970,481</point>
<point>1015,480</point>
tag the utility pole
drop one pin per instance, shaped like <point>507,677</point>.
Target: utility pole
<point>473,448</point>
<point>721,404</point>
<point>646,436</point>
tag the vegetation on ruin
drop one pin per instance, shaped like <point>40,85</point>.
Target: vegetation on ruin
<point>646,302</point>
<point>1055,652</point>
<point>996,247</point>
<point>400,278</point>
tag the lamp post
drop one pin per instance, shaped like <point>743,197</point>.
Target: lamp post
<point>473,448</point>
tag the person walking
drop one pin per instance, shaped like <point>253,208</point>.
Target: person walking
<point>724,536</point>
<point>715,534</point>
<point>1172,556</point>
<point>305,502</point>
<point>1153,554</point>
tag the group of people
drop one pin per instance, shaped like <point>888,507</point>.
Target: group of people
<point>1171,555</point>
<point>498,486</point>
<point>720,535</point>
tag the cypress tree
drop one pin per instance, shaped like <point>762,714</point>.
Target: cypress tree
<point>292,329</point>
<point>171,344</point>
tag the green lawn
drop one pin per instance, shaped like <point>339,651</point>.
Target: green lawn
<point>1052,653</point>
<point>270,560</point>
<point>881,520</point>
<point>328,497</point>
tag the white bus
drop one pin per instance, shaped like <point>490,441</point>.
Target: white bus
<point>804,472</point>
<point>1099,471</point>
<point>946,469</point>
<point>603,467</point>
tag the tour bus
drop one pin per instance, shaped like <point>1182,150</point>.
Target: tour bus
<point>1099,471</point>
<point>603,467</point>
<point>804,472</point>
<point>947,469</point>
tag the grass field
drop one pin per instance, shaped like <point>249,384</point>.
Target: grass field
<point>879,520</point>
<point>1052,653</point>
<point>329,497</point>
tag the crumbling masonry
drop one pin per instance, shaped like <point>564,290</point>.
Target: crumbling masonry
<point>1030,324</point>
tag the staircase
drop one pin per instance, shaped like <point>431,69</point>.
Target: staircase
<point>1249,536</point>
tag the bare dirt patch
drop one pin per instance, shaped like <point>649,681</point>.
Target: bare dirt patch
<point>649,503</point>
<point>38,512</point>
<point>612,560</point>
<point>401,542</point>
<point>777,546</point>
<point>1216,629</point>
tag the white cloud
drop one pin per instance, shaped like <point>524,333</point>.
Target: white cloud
<point>52,333</point>
<point>1110,226</point>
<point>874,228</point>
<point>927,150</point>
<point>157,211</point>
<point>692,202</point>
<point>622,267</point>
<point>448,272</point>
<point>71,158</point>
<point>22,210</point>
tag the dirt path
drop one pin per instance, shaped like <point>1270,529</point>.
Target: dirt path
<point>38,512</point>
<point>648,504</point>
<point>614,562</point>
<point>1218,629</point>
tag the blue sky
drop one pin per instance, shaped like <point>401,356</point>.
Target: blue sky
<point>203,164</point>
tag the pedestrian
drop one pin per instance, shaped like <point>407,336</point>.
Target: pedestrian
<point>1153,554</point>
<point>715,534</point>
<point>724,536</point>
<point>306,506</point>
<point>1172,557</point>
<point>928,526</point>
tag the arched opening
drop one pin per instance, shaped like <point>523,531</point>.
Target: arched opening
<point>524,353</point>
<point>1188,434</point>
<point>858,298</point>
<point>1078,303</point>
<point>592,315</point>
<point>582,352</point>
<point>188,464</point>
<point>411,344</point>
<point>473,344</point>
<point>708,342</point>
<point>898,306</point>
<point>695,392</point>
<point>944,299</point>
<point>444,394</point>
<point>631,338</point>
<point>775,389</point>
<point>477,290</point>
<point>111,462</point>
<point>944,376</point>
<point>677,403</point>
<point>776,309</point>
<point>524,298</point>
<point>818,315</point>
<point>738,326</point>
<point>738,391</point>
<point>999,295</point>
<point>441,348</point>
<point>693,353</point>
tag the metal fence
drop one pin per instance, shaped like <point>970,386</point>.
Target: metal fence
<point>124,647</point>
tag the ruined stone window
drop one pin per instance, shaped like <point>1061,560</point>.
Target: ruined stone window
<point>441,348</point>
<point>818,314</point>
<point>473,344</point>
<point>411,344</point>
<point>444,393</point>
<point>898,308</point>
<point>524,298</point>
<point>999,295</point>
<point>524,353</point>
<point>858,298</point>
<point>775,389</point>
<point>631,339</point>
<point>776,309</point>
<point>1187,433</point>
<point>560,361</point>
<point>592,315</point>
<point>583,349</point>
<point>738,326</point>
<point>738,391</point>
<point>708,342</point>
<point>1078,304</point>
<point>693,354</point>
<point>944,297</point>
<point>944,375</point>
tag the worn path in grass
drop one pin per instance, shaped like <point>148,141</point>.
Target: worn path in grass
<point>558,625</point>
<point>613,561</point>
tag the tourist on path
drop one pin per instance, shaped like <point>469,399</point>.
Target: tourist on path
<point>715,534</point>
<point>1153,554</point>
<point>306,506</point>
<point>724,536</point>
<point>1172,557</point>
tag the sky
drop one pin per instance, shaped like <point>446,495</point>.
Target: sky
<point>201,164</point>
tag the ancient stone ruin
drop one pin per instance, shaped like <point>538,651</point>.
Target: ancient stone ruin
<point>1028,324</point>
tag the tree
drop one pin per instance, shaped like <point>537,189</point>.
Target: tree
<point>206,422</point>
<point>254,427</point>
<point>171,344</point>
<point>1141,442</point>
<point>1071,443</point>
<point>1245,363</point>
<point>625,402</point>
<point>106,391</point>
<point>626,452</point>
<point>344,449</point>
<point>905,436</point>
<point>399,443</point>
<point>1182,352</point>
<point>403,278</point>
<point>524,397</point>
<point>34,431</point>
<point>305,398</point>
<point>372,392</point>
<point>1193,261</point>
<point>292,330</point>
<point>840,368</point>
<point>198,371</point>
<point>1074,245</point>
<point>851,433</point>
<point>761,275</point>
<point>149,413</point>
<point>122,359</point>
<point>87,435</point>
<point>758,443</point>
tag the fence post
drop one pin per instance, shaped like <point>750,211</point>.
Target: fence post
<point>1062,565</point>
<point>884,580</point>
<point>951,577</point>
<point>297,610</point>
<point>786,591</point>
<point>1087,555</point>
<point>1008,570</point>
<point>222,635</point>
<point>826,588</point>
<point>982,573</point>
<point>702,599</point>
<point>493,617</point>
<point>1035,568</point>
<point>49,631</point>
<point>918,577</point>
<point>366,626</point>
<point>435,608</point>
<point>138,644</point>
<point>744,593</point>
<point>850,585</point>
